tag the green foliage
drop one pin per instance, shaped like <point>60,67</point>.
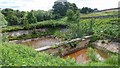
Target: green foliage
<point>36,34</point>
<point>103,13</point>
<point>5,38</point>
<point>20,55</point>
<point>31,18</point>
<point>74,32</point>
<point>3,22</point>
<point>43,15</point>
<point>70,14</point>
<point>103,28</point>
<point>11,28</point>
<point>86,10</point>
<point>44,24</point>
<point>73,16</point>
<point>92,55</point>
<point>61,9</point>
<point>113,60</point>
<point>76,17</point>
<point>48,24</point>
<point>13,17</point>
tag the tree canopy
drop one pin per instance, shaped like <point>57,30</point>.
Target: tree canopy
<point>60,9</point>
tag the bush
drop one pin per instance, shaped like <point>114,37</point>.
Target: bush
<point>92,55</point>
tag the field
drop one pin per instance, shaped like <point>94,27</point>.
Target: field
<point>66,28</point>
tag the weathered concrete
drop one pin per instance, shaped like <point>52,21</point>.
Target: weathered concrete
<point>107,46</point>
<point>62,43</point>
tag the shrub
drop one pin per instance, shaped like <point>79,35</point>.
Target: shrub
<point>92,55</point>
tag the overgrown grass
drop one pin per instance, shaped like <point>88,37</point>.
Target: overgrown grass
<point>11,28</point>
<point>103,13</point>
<point>21,55</point>
<point>112,60</point>
<point>44,24</point>
<point>100,28</point>
<point>104,28</point>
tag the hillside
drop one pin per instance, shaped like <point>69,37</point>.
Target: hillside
<point>101,13</point>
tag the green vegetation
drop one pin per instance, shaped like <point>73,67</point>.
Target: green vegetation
<point>92,55</point>
<point>66,16</point>
<point>111,61</point>
<point>103,13</point>
<point>104,28</point>
<point>20,55</point>
<point>44,24</point>
<point>34,34</point>
<point>101,28</point>
<point>2,20</point>
<point>86,10</point>
<point>60,9</point>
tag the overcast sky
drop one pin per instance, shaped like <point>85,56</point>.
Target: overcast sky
<point>28,5</point>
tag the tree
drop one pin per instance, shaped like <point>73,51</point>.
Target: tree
<point>61,9</point>
<point>12,20</point>
<point>3,22</point>
<point>31,18</point>
<point>76,17</point>
<point>70,14</point>
<point>86,10</point>
<point>13,17</point>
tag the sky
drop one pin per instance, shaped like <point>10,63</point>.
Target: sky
<point>27,5</point>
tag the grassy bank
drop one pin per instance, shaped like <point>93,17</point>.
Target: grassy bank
<point>103,28</point>
<point>44,24</point>
<point>20,55</point>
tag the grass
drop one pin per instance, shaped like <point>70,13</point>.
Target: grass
<point>103,13</point>
<point>101,28</point>
<point>111,61</point>
<point>21,55</point>
<point>44,24</point>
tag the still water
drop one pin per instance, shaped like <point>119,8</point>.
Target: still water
<point>41,42</point>
<point>82,57</point>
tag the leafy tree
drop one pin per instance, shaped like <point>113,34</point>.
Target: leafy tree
<point>73,16</point>
<point>76,17</point>
<point>14,17</point>
<point>86,10</point>
<point>61,9</point>
<point>70,14</point>
<point>7,11</point>
<point>12,20</point>
<point>31,18</point>
<point>2,20</point>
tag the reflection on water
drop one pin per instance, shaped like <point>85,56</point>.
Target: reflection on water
<point>41,42</point>
<point>81,55</point>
